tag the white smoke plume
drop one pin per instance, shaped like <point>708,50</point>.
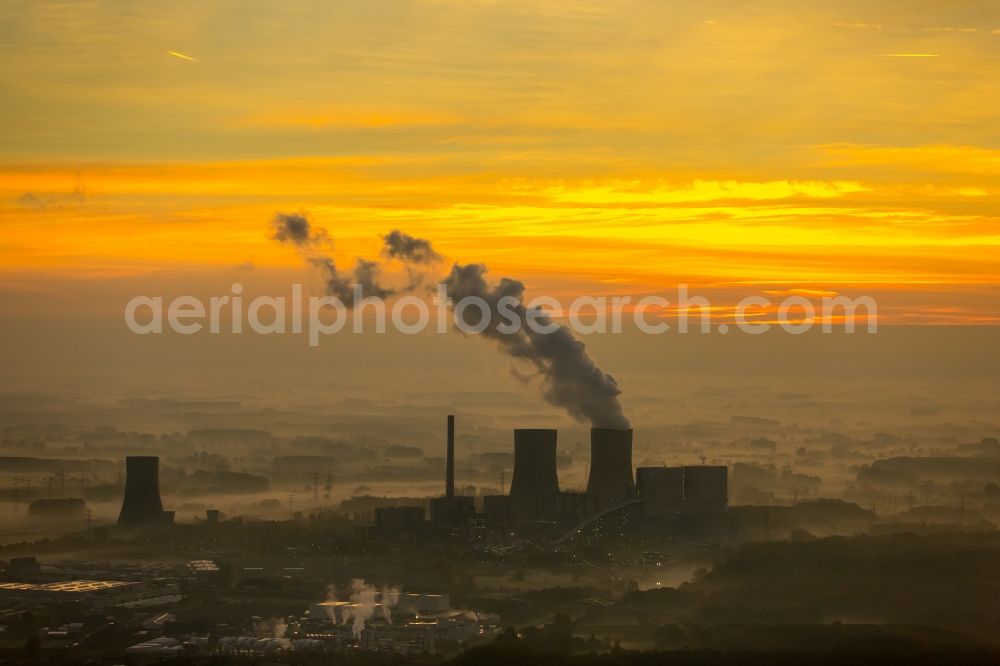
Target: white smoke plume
<point>274,627</point>
<point>367,599</point>
<point>390,597</point>
<point>363,595</point>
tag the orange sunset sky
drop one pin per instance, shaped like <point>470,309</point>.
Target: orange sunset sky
<point>583,147</point>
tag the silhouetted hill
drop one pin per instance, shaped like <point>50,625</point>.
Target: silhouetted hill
<point>950,581</point>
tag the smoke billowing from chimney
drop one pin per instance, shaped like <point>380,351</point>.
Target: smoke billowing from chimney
<point>367,598</point>
<point>363,595</point>
<point>309,240</point>
<point>296,229</point>
<point>390,597</point>
<point>410,249</point>
<point>417,255</point>
<point>570,377</point>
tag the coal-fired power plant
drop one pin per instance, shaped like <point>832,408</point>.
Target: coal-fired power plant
<point>534,487</point>
<point>141,506</point>
<point>610,465</point>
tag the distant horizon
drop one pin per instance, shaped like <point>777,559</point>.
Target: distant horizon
<point>579,149</point>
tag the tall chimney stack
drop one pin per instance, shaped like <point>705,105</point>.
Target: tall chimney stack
<point>449,484</point>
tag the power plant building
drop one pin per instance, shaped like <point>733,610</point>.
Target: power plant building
<point>496,508</point>
<point>706,488</point>
<point>451,511</point>
<point>536,506</point>
<point>690,489</point>
<point>395,521</point>
<point>573,507</point>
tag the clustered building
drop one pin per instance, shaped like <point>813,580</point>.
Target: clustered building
<point>409,623</point>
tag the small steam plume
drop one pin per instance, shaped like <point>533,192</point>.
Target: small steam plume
<point>363,596</point>
<point>390,597</point>
<point>309,240</point>
<point>331,595</point>
<point>571,379</point>
<point>274,627</point>
<point>366,598</point>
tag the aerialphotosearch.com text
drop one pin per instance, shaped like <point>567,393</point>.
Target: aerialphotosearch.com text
<point>319,316</point>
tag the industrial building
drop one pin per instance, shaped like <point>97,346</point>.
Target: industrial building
<point>392,522</point>
<point>689,489</point>
<point>58,507</point>
<point>451,511</point>
<point>496,509</point>
<point>536,508</point>
<point>93,593</point>
<point>417,637</point>
<point>408,604</point>
<point>420,623</point>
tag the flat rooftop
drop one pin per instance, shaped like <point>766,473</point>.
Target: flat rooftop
<point>67,586</point>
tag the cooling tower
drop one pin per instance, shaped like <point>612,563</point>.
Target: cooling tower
<point>141,505</point>
<point>610,465</point>
<point>535,484</point>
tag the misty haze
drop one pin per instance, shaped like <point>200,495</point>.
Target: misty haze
<point>294,369</point>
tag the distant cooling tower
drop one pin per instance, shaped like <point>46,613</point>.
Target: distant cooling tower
<point>610,465</point>
<point>535,484</point>
<point>141,506</point>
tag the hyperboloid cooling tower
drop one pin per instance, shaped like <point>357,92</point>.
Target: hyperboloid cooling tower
<point>535,484</point>
<point>610,465</point>
<point>141,505</point>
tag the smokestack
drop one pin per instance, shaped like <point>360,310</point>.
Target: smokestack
<point>610,465</point>
<point>141,505</point>
<point>449,483</point>
<point>535,483</point>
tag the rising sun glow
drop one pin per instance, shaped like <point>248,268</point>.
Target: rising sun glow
<point>596,151</point>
